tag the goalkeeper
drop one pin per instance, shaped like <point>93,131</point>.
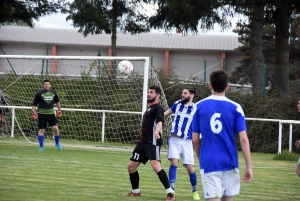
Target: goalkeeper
<point>45,100</point>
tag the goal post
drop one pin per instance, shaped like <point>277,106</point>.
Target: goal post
<point>95,98</point>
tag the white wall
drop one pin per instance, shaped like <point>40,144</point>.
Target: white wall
<point>183,63</point>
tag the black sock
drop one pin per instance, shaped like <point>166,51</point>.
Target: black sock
<point>134,179</point>
<point>163,178</point>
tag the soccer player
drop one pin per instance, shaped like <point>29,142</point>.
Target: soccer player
<point>180,142</point>
<point>298,145</point>
<point>218,119</point>
<point>298,166</point>
<point>148,147</point>
<point>45,100</point>
<point>2,113</point>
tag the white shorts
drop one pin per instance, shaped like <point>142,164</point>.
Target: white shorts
<point>299,161</point>
<point>221,183</point>
<point>178,147</point>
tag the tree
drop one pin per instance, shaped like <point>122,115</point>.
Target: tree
<point>108,16</point>
<point>14,11</point>
<point>189,15</point>
<point>282,66</point>
<point>251,36</point>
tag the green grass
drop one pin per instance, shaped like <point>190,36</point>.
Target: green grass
<point>99,174</point>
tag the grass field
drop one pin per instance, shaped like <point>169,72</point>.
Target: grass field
<point>97,174</point>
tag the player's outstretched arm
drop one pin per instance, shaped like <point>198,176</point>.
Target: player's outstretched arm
<point>246,152</point>
<point>168,112</point>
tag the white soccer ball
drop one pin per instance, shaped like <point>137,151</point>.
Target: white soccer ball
<point>125,67</point>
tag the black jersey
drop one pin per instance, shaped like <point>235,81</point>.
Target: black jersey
<point>45,101</point>
<point>2,102</point>
<point>153,115</point>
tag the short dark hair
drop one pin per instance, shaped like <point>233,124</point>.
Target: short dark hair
<point>219,80</point>
<point>46,81</point>
<point>192,90</point>
<point>156,88</point>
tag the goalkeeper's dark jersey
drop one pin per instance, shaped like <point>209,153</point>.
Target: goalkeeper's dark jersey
<point>45,100</point>
<point>153,115</point>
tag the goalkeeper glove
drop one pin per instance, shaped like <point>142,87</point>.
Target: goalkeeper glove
<point>34,115</point>
<point>58,113</point>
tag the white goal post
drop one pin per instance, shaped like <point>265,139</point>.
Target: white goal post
<point>95,98</point>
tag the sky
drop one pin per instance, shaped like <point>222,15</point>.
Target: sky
<point>59,21</point>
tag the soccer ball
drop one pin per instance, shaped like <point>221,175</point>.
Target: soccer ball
<point>125,67</point>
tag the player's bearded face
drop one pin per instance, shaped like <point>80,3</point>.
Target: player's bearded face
<point>184,100</point>
<point>151,99</point>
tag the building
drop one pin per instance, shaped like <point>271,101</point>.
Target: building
<point>186,56</point>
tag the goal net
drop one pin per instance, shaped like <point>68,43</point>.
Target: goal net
<point>100,106</point>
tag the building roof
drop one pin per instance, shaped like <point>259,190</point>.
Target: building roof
<point>145,40</point>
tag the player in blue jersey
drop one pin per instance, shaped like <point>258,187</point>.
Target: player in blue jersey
<point>219,119</point>
<point>148,147</point>
<point>180,142</point>
<point>45,100</point>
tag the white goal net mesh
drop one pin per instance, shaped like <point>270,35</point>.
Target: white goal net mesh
<point>86,88</point>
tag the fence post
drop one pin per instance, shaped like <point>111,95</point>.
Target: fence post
<point>279,138</point>
<point>151,60</point>
<point>103,127</point>
<point>290,138</point>
<point>12,122</point>
<point>204,71</point>
<point>224,64</point>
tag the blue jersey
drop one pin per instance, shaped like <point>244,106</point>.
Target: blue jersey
<point>218,119</point>
<point>181,124</point>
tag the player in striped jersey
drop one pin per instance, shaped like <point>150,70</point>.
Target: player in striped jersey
<point>218,119</point>
<point>180,142</point>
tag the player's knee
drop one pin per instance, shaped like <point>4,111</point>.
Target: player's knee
<point>298,170</point>
<point>190,169</point>
<point>131,167</point>
<point>156,167</point>
<point>55,130</point>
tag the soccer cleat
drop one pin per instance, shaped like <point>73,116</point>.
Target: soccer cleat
<point>170,197</point>
<point>131,194</point>
<point>196,196</point>
<point>41,148</point>
<point>59,147</point>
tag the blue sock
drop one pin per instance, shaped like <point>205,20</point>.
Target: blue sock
<point>193,180</point>
<point>172,176</point>
<point>41,140</point>
<point>57,139</point>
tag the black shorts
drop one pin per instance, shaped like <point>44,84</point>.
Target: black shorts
<point>145,151</point>
<point>46,118</point>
